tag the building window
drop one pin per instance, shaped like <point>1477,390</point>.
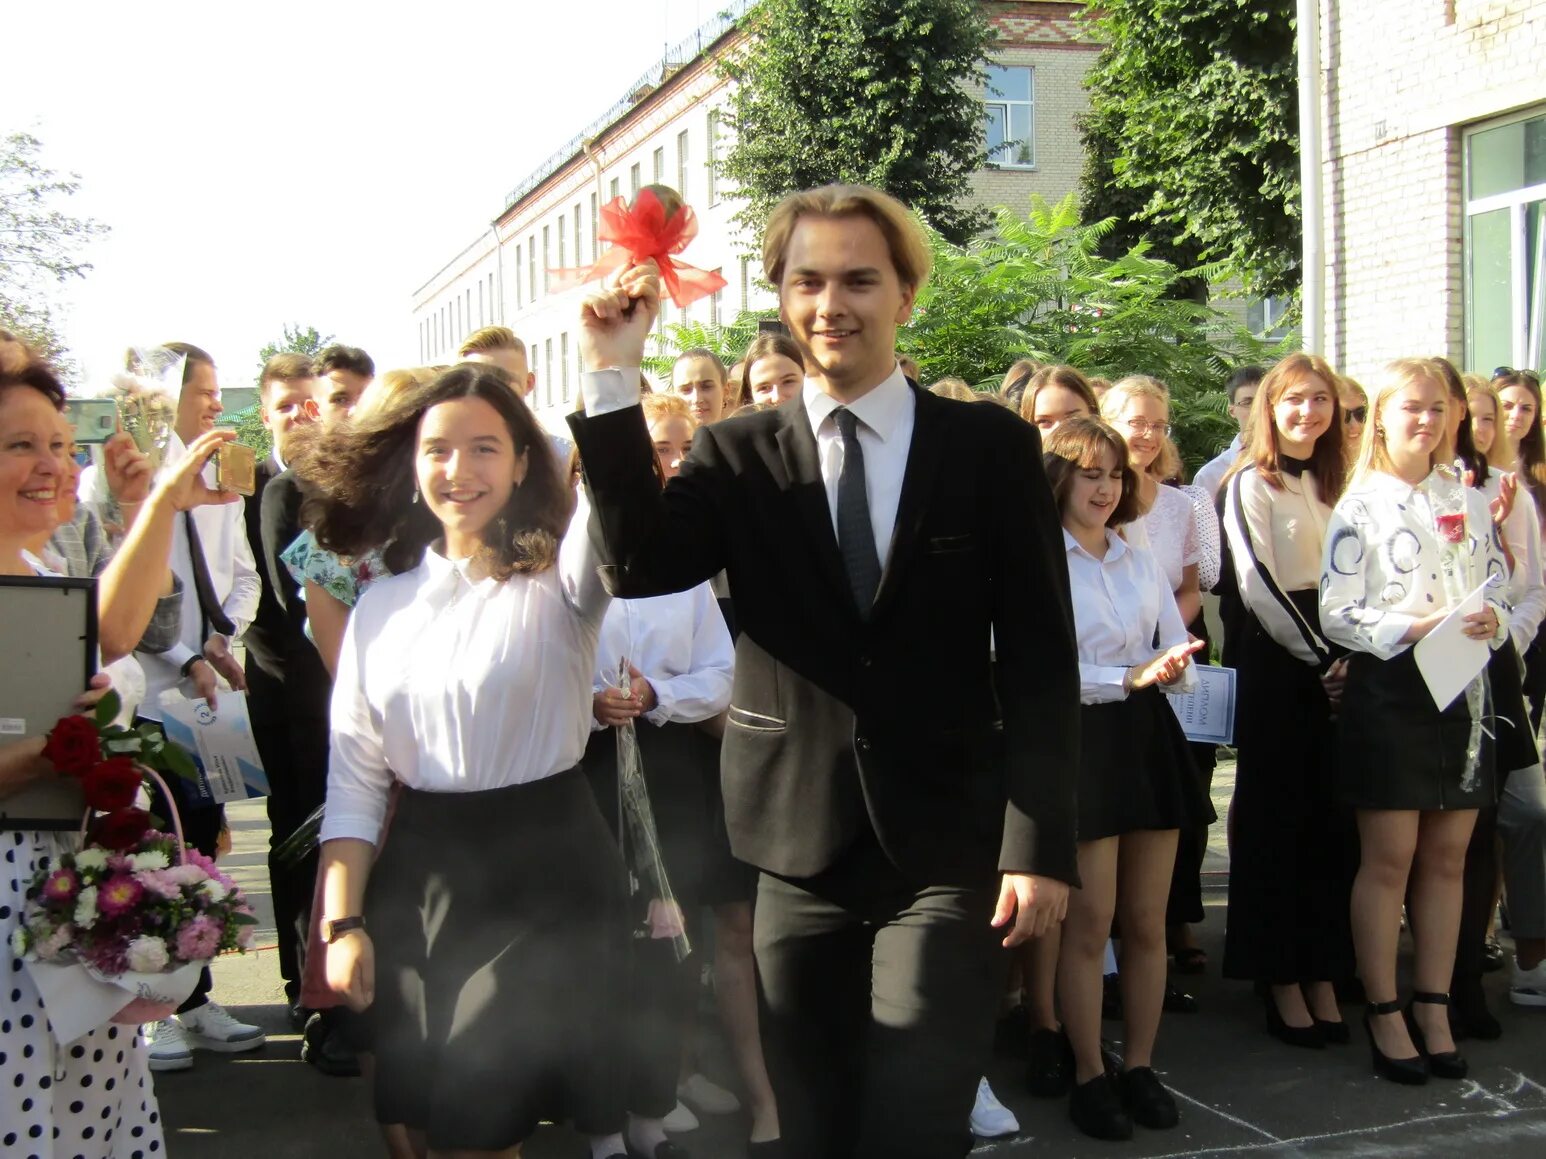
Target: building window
<point>468,326</point>
<point>714,308</point>
<point>531,269</point>
<point>1009,110</point>
<point>547,367</point>
<point>712,163</point>
<point>491,316</point>
<point>746,283</point>
<point>578,260</point>
<point>615,190</point>
<point>562,245</point>
<point>547,255</point>
<point>634,180</point>
<point>1505,244</point>
<point>658,165</point>
<point>520,264</point>
<point>595,230</point>
<point>681,167</point>
<point>563,360</point>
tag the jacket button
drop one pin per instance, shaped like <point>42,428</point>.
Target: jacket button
<point>864,744</point>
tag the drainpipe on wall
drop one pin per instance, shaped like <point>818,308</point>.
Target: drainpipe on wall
<point>1313,261</point>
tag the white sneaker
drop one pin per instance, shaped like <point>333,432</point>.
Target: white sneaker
<point>991,1118</point>
<point>1529,986</point>
<point>710,1098</point>
<point>168,1045</point>
<point>680,1120</point>
<point>209,1027</point>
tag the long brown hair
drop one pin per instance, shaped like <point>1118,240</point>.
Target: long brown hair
<point>1328,462</point>
<point>1532,444</point>
<point>364,480</point>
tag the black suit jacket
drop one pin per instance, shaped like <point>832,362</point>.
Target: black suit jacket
<point>838,721</point>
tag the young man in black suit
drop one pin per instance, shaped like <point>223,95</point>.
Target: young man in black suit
<point>890,790</point>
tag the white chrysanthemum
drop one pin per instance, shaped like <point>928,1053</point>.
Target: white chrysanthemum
<point>150,859</point>
<point>92,858</point>
<point>19,941</point>
<point>86,907</point>
<point>148,955</point>
<point>214,890</point>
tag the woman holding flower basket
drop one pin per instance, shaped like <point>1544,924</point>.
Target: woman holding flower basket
<point>1406,544</point>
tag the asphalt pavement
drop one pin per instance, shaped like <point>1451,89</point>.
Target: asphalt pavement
<point>1241,1092</point>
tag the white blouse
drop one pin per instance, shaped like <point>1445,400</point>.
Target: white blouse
<point>1119,602</point>
<point>453,686</point>
<point>1169,531</point>
<point>1380,566</point>
<point>681,645</point>
<point>1526,587</point>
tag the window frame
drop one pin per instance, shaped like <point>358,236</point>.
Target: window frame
<point>1005,105</point>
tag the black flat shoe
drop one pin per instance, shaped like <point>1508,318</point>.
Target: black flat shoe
<point>1407,1071</point>
<point>1011,1032</point>
<point>325,1048</point>
<point>1493,958</point>
<point>1146,1099</point>
<point>1096,1109</point>
<point>1049,1071</point>
<point>1334,1033</point>
<point>1309,1037</point>
<point>1451,1064</point>
<point>1178,1001</point>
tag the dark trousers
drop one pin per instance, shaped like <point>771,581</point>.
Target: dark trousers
<point>293,743</point>
<point>879,997</point>
<point>201,829</point>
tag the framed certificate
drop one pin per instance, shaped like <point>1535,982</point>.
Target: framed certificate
<point>48,638</point>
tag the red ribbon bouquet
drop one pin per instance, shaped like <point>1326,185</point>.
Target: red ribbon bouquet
<point>657,225</point>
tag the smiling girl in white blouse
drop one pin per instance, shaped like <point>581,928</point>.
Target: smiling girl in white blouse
<point>1137,787</point>
<point>1405,543</point>
<point>466,678</point>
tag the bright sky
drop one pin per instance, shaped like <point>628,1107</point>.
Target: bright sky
<point>301,161</point>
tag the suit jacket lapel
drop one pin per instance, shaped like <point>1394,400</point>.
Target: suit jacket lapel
<point>797,448</point>
<point>923,460</point>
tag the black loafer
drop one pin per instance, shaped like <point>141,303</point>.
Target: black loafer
<point>324,1048</point>
<point>1178,1001</point>
<point>1096,1109</point>
<point>1335,1033</point>
<point>1049,1071</point>
<point>1147,1100</point>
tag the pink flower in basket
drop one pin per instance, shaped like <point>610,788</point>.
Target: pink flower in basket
<point>199,939</point>
<point>159,882</point>
<point>118,895</point>
<point>62,885</point>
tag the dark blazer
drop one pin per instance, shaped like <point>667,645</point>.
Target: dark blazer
<point>838,721</point>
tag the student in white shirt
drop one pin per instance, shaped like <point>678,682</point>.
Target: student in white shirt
<point>1405,543</point>
<point>1137,787</point>
<point>490,938</point>
<point>1241,388</point>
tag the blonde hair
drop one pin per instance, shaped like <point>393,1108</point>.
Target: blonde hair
<point>1394,377</point>
<point>666,406</point>
<point>955,388</point>
<point>384,389</point>
<point>1501,453</point>
<point>1133,386</point>
<point>1067,377</point>
<point>491,338</point>
<point>905,239</point>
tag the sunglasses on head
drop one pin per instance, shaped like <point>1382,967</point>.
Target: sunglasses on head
<point>1500,371</point>
<point>1355,414</point>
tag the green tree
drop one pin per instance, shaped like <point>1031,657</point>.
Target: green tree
<point>871,91</point>
<point>295,341</point>
<point>1039,287</point>
<point>41,244</point>
<point>728,341</point>
<point>1194,118</point>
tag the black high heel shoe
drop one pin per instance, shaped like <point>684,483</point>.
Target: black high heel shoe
<point>1335,1033</point>
<point>1409,1072</point>
<point>1310,1037</point>
<point>1449,1065</point>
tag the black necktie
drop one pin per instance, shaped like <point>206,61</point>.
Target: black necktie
<point>855,534</point>
<point>214,614</point>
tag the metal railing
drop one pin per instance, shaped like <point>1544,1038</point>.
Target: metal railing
<point>683,52</point>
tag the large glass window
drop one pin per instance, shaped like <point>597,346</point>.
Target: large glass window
<point>1009,113</point>
<point>1505,245</point>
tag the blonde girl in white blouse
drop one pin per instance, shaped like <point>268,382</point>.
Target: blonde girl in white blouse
<point>1407,769</point>
<point>466,678</point>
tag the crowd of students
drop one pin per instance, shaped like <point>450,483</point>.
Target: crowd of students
<point>467,936</point>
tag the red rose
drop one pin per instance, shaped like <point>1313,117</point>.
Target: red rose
<point>121,829</point>
<point>112,784</point>
<point>73,747</point>
<point>1451,527</point>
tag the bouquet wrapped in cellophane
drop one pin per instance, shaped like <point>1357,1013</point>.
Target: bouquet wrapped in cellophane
<point>146,397</point>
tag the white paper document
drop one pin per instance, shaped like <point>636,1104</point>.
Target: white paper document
<point>1207,712</point>
<point>1449,659</point>
<point>220,740</point>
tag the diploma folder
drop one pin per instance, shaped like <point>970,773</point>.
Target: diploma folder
<point>48,654</point>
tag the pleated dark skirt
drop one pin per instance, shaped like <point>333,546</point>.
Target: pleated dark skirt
<point>1295,849</point>
<point>1396,750</point>
<point>499,936</point>
<point>1136,770</point>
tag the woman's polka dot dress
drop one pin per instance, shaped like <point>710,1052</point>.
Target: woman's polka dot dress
<point>89,1099</point>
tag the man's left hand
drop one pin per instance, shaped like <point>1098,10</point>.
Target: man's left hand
<point>1035,903</point>
<point>218,652</point>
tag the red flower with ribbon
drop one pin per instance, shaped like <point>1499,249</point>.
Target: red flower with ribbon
<point>121,829</point>
<point>112,784</point>
<point>73,747</point>
<point>1451,527</point>
<point>638,233</point>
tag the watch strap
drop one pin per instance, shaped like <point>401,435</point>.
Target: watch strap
<point>339,927</point>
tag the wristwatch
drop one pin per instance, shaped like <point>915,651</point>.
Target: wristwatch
<point>338,927</point>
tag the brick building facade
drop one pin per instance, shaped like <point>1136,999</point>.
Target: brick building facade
<point>1435,181</point>
<point>667,128</point>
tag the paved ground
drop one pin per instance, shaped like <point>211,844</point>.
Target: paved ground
<point>1242,1093</point>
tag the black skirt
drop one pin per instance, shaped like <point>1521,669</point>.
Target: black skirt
<point>1396,750</point>
<point>497,923</point>
<point>1294,851</point>
<point>1136,770</point>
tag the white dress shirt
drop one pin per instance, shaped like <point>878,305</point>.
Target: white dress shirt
<point>1119,602</point>
<point>885,432</point>
<point>1211,474</point>
<point>452,686</point>
<point>681,645</point>
<point>232,572</point>
<point>1526,587</point>
<point>1380,567</point>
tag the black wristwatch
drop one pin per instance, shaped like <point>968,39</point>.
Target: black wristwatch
<point>188,664</point>
<point>337,928</point>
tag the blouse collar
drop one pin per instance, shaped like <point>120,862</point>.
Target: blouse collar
<point>448,577</point>
<point>1116,547</point>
